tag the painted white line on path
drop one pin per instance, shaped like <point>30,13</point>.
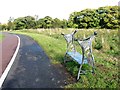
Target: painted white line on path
<point>5,73</point>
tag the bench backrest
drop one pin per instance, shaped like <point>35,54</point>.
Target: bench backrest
<point>70,41</point>
<point>87,43</point>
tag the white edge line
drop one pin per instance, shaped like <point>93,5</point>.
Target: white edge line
<point>4,75</point>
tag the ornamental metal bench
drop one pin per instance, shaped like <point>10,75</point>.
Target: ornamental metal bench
<point>86,46</point>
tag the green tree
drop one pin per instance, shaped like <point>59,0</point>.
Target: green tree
<point>48,22</point>
<point>103,17</point>
<point>57,23</point>
<point>64,23</point>
<point>73,20</point>
<point>36,21</point>
<point>19,23</point>
<point>41,23</point>
<point>10,24</point>
<point>109,17</point>
<point>29,22</point>
<point>3,26</point>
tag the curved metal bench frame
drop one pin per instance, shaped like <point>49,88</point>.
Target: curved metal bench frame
<point>85,44</point>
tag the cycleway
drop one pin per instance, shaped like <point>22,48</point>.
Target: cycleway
<point>32,69</point>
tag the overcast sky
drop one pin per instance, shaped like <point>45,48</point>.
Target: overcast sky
<point>54,8</point>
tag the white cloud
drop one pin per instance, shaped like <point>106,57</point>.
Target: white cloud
<point>54,8</point>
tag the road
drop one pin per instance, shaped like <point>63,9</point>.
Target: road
<point>32,69</point>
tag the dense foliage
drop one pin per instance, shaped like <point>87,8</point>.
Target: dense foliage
<point>103,17</point>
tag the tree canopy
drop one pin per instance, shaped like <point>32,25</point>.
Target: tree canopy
<point>103,17</point>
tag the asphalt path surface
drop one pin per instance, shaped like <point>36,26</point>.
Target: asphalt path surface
<point>7,49</point>
<point>32,69</point>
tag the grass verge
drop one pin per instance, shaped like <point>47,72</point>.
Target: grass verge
<point>106,72</point>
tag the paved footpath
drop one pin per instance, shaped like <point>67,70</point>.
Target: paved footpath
<point>32,69</point>
<point>7,48</point>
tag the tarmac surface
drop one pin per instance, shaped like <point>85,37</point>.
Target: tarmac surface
<point>7,48</point>
<point>32,69</point>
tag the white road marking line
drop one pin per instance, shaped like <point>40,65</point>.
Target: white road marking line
<point>5,73</point>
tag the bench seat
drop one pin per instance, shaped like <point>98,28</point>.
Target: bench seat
<point>77,57</point>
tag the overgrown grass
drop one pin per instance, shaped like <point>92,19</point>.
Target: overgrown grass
<point>105,50</point>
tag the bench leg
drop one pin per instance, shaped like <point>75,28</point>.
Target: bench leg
<point>83,52</point>
<point>79,72</point>
<point>68,46</point>
<point>92,61</point>
<point>65,58</point>
<point>93,64</point>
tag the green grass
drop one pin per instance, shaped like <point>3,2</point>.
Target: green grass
<point>105,51</point>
